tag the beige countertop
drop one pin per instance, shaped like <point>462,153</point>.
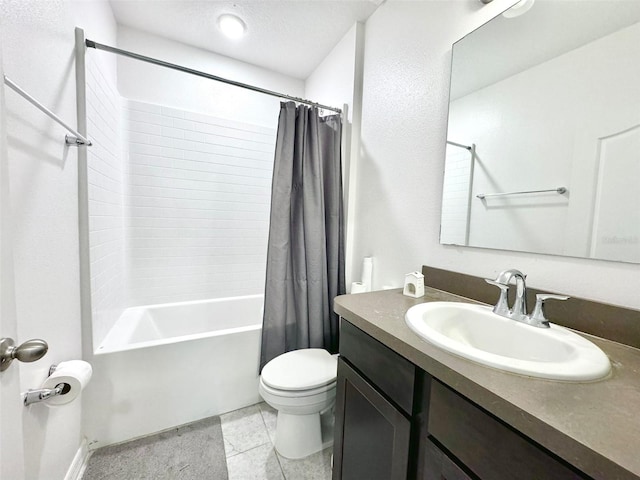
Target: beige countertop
<point>594,426</point>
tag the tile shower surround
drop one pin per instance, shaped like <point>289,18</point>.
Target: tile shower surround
<point>197,205</point>
<point>105,175</point>
<point>178,203</point>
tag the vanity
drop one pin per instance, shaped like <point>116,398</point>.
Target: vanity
<point>406,409</point>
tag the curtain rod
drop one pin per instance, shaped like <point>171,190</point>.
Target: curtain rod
<point>125,53</point>
<point>455,144</point>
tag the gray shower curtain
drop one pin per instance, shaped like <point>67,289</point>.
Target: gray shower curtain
<point>305,256</point>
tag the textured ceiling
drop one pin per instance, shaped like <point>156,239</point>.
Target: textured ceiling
<point>287,36</point>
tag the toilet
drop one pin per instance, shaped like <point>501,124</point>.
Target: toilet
<point>301,386</point>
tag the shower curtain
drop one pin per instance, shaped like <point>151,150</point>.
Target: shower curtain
<point>305,256</point>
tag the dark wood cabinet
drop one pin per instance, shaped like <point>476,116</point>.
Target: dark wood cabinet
<point>486,446</point>
<point>392,374</point>
<point>371,436</point>
<point>438,465</point>
<point>394,421</point>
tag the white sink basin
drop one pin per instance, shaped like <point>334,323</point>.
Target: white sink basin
<point>476,333</point>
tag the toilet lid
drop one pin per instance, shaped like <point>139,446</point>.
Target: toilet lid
<point>301,370</point>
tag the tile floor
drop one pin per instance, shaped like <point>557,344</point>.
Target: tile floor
<point>249,434</point>
<point>190,452</point>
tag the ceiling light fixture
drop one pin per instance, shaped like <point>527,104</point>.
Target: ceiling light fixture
<point>523,6</point>
<point>231,26</point>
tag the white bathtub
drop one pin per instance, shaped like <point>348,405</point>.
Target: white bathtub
<point>164,365</point>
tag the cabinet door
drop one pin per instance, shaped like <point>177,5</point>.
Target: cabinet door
<point>371,434</point>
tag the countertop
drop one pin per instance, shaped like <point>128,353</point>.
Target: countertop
<point>594,426</point>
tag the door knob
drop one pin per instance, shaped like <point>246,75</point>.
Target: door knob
<point>29,351</point>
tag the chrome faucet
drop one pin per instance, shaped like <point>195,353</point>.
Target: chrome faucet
<point>519,310</point>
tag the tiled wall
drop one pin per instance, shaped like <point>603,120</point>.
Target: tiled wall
<point>105,175</point>
<point>178,204</point>
<point>196,205</point>
<point>455,199</point>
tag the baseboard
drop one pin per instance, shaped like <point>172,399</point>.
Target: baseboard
<point>79,462</point>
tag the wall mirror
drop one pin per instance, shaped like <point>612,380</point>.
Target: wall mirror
<point>543,143</point>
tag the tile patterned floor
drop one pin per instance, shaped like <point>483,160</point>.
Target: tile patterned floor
<point>190,452</point>
<point>249,434</point>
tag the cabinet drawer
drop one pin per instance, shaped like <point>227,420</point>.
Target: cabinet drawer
<point>391,373</point>
<point>438,466</point>
<point>487,446</point>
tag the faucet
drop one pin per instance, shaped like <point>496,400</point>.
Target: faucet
<point>519,310</point>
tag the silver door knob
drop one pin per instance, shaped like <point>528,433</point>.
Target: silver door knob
<point>29,351</point>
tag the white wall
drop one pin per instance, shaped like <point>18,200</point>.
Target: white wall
<point>38,43</point>
<point>152,84</point>
<point>335,82</point>
<point>198,191</point>
<point>527,127</point>
<point>96,18</point>
<point>407,62</point>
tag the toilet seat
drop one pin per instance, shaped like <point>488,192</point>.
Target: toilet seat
<point>296,393</point>
<point>300,370</point>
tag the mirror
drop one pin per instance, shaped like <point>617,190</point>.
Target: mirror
<point>543,143</point>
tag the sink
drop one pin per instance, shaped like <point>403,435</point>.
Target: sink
<point>476,333</point>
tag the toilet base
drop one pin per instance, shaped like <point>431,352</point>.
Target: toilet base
<point>298,436</point>
<point>327,420</point>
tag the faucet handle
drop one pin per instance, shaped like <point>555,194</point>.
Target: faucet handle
<point>538,318</point>
<point>502,306</point>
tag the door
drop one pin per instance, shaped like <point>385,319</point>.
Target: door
<point>603,220</point>
<point>616,213</point>
<point>11,441</point>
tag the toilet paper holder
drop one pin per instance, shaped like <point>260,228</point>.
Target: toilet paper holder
<point>41,394</point>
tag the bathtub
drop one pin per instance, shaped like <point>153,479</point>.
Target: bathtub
<point>165,365</point>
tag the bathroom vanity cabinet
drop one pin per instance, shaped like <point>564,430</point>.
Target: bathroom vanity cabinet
<point>466,420</point>
<point>396,421</point>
